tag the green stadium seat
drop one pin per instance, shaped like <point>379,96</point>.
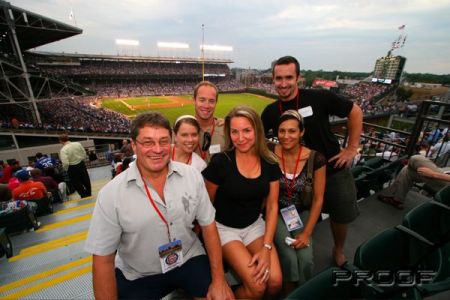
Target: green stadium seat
<point>443,195</point>
<point>321,287</point>
<point>402,249</point>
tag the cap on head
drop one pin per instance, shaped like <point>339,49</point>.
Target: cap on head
<point>22,175</point>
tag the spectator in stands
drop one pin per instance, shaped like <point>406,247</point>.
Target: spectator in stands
<point>50,183</point>
<point>8,205</point>
<point>316,107</point>
<point>72,156</point>
<point>126,149</point>
<point>441,147</point>
<point>240,181</point>
<point>419,169</point>
<point>212,138</point>
<point>297,259</point>
<point>14,181</point>
<point>187,131</point>
<point>124,239</point>
<point>43,161</point>
<point>28,189</point>
<point>59,178</point>
<point>7,170</point>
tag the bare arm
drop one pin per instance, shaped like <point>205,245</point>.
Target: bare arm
<point>271,212</point>
<point>354,125</point>
<point>218,288</point>
<point>262,257</point>
<point>104,277</point>
<point>427,172</point>
<point>211,188</point>
<point>303,239</point>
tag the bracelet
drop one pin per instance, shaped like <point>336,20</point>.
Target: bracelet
<point>268,246</point>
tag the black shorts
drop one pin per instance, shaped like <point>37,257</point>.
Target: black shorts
<point>194,277</point>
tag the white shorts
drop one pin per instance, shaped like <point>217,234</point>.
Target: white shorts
<point>245,235</point>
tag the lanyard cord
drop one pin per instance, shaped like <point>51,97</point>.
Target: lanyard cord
<point>297,105</point>
<point>161,216</point>
<point>290,185</point>
<point>188,162</point>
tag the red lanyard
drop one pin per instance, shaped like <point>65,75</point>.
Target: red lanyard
<point>156,208</point>
<point>290,185</point>
<point>188,162</point>
<point>297,105</point>
<point>203,154</point>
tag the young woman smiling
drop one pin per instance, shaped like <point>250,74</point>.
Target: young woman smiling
<point>241,181</point>
<point>187,131</point>
<point>297,258</point>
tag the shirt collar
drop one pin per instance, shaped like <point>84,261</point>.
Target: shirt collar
<point>134,175</point>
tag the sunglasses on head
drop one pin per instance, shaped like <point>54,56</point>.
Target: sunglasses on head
<point>206,141</point>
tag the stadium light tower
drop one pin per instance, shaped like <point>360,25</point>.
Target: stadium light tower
<point>127,44</point>
<point>172,46</point>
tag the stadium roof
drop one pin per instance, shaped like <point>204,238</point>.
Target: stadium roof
<point>132,58</point>
<point>33,30</point>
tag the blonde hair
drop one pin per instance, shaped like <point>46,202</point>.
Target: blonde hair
<point>254,119</point>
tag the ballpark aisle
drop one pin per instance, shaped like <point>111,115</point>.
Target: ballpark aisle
<point>50,263</point>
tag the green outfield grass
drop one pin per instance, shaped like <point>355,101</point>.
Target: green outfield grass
<point>225,104</point>
<point>146,100</point>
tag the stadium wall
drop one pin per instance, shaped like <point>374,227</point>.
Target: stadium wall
<point>22,154</point>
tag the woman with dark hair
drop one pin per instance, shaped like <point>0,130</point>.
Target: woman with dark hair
<point>300,200</point>
<point>241,181</point>
<point>187,131</point>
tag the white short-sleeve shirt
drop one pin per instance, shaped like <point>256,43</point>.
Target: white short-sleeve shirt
<point>125,221</point>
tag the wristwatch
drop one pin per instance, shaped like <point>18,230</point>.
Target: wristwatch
<point>267,246</point>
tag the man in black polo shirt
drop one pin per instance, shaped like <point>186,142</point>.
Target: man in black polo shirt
<point>316,106</point>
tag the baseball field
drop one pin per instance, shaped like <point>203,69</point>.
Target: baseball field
<point>174,106</point>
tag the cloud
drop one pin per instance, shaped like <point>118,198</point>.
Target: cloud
<point>353,32</point>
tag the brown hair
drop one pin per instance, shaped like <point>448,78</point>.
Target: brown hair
<point>63,138</point>
<point>152,119</point>
<point>205,83</point>
<point>188,119</point>
<point>254,119</point>
<point>291,115</point>
<point>286,60</point>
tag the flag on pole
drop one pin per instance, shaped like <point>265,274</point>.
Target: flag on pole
<point>402,27</point>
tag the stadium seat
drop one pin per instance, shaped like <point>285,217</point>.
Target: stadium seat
<point>373,163</point>
<point>357,171</point>
<point>5,244</point>
<point>44,206</point>
<point>443,195</point>
<point>393,250</point>
<point>19,220</point>
<point>430,220</point>
<point>321,287</point>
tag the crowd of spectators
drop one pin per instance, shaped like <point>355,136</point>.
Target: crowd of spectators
<point>150,88</point>
<point>106,68</point>
<point>364,94</point>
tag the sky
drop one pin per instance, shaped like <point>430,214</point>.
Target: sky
<point>345,35</point>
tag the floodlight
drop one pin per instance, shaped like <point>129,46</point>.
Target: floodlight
<point>173,45</point>
<point>127,42</point>
<point>216,48</point>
